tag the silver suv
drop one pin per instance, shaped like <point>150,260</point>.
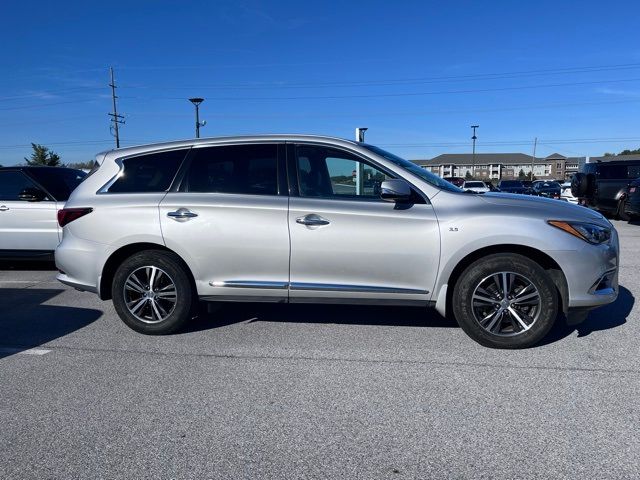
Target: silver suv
<point>306,219</point>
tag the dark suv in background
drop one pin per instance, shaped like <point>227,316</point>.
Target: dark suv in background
<point>632,200</point>
<point>604,185</point>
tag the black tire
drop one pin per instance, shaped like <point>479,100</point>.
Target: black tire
<point>170,270</point>
<point>520,270</point>
<point>621,213</point>
<point>579,185</point>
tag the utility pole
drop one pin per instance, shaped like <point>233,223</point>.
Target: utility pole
<point>533,160</point>
<point>196,103</point>
<point>115,118</point>
<point>473,156</point>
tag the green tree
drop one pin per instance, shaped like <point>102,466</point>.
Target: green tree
<point>42,156</point>
<point>630,152</point>
<point>522,175</point>
<point>624,152</point>
<point>88,165</point>
<point>468,176</point>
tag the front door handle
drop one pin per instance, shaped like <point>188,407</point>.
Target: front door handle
<point>312,220</point>
<point>182,213</point>
<point>4,208</point>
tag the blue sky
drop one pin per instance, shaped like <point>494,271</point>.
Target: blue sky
<point>417,74</point>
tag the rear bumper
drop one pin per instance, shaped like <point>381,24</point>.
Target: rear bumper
<point>633,205</point>
<point>80,263</point>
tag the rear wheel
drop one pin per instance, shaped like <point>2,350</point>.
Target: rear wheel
<point>505,301</point>
<point>621,214</point>
<point>152,292</point>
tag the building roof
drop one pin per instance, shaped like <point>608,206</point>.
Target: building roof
<point>614,158</point>
<point>490,159</point>
<point>480,159</point>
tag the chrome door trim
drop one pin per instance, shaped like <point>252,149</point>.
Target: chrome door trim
<point>250,284</point>
<point>328,287</point>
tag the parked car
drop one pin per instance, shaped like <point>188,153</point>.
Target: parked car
<point>30,198</point>
<point>457,181</point>
<point>512,186</point>
<point>632,200</point>
<point>475,186</point>
<point>261,219</point>
<point>603,185</point>
<point>549,189</point>
<point>565,193</point>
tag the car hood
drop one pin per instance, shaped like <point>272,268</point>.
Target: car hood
<point>552,209</point>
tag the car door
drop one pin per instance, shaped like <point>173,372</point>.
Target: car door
<point>228,220</point>
<point>28,227</point>
<point>347,243</point>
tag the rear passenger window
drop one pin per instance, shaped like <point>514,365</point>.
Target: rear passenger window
<point>148,173</point>
<point>11,184</point>
<point>241,169</point>
<point>613,172</point>
<point>634,171</point>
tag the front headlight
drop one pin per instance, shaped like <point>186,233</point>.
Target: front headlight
<point>588,232</point>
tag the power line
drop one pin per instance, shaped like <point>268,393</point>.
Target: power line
<point>434,144</point>
<point>401,94</point>
<point>419,80</point>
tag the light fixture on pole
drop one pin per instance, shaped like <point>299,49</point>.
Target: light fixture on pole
<point>473,156</point>
<point>196,102</point>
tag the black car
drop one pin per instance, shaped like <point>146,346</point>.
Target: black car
<point>632,200</point>
<point>512,186</point>
<point>549,189</point>
<point>603,185</point>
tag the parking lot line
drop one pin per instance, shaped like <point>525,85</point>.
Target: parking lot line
<point>20,351</point>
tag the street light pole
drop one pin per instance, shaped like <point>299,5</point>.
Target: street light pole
<point>473,155</point>
<point>196,102</point>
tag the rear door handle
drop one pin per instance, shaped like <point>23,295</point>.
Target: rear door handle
<point>312,220</point>
<point>182,213</point>
<point>4,208</point>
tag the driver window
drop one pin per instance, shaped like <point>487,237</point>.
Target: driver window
<point>330,173</point>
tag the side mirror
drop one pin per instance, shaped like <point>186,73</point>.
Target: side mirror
<point>32,195</point>
<point>395,191</point>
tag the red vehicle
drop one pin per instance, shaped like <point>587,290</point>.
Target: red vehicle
<point>457,181</point>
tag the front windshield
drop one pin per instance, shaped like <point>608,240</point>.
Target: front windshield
<point>474,184</point>
<point>424,174</point>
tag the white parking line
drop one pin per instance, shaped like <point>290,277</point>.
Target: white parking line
<point>20,351</point>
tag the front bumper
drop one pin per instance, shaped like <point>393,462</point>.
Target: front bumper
<point>591,273</point>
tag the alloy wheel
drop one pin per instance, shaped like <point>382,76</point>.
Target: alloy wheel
<point>506,304</point>
<point>150,294</point>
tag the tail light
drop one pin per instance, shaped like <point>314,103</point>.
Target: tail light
<point>68,215</point>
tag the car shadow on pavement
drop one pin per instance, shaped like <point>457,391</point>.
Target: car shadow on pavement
<point>232,313</point>
<point>26,323</point>
<point>224,314</point>
<point>602,318</point>
<point>27,265</point>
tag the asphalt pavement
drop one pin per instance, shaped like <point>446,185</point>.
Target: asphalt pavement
<point>265,391</point>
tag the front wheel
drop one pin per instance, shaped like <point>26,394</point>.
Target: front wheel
<point>505,301</point>
<point>152,292</point>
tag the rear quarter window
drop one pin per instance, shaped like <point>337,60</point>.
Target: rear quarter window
<point>148,173</point>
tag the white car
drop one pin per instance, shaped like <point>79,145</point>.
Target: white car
<point>475,186</point>
<point>565,193</point>
<point>30,198</point>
